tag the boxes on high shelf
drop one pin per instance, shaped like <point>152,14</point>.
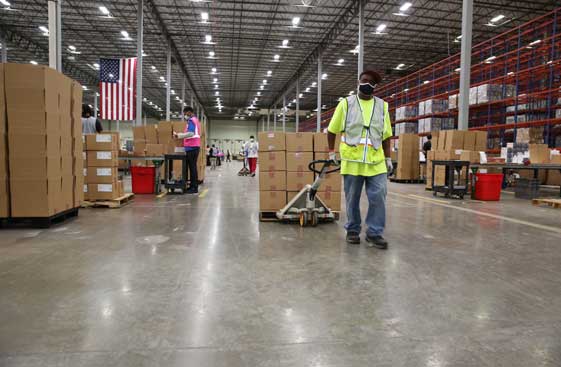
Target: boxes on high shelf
<point>321,144</point>
<point>271,141</point>
<point>453,101</point>
<point>408,157</point>
<point>299,142</point>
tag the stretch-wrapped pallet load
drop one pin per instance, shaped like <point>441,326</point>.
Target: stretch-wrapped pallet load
<point>405,128</point>
<point>272,171</point>
<point>453,101</point>
<point>42,137</point>
<point>101,172</point>
<point>404,112</point>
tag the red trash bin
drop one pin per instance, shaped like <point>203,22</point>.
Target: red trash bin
<point>488,186</point>
<point>143,180</point>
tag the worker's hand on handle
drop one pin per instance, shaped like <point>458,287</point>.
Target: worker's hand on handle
<point>333,158</point>
<point>389,165</point>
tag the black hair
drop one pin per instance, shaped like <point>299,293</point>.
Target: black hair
<point>429,136</point>
<point>252,137</point>
<point>374,75</point>
<point>86,110</point>
<point>188,109</point>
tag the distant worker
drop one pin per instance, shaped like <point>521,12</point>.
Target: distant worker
<point>90,124</point>
<point>208,156</point>
<point>192,144</point>
<point>427,146</point>
<point>212,153</point>
<point>364,124</point>
<point>228,156</point>
<point>251,150</point>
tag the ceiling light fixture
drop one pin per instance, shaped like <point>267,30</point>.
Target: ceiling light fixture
<point>400,66</point>
<point>276,58</point>
<point>323,76</point>
<point>295,22</point>
<point>381,28</point>
<point>44,29</point>
<point>458,39</point>
<point>215,80</point>
<point>126,36</point>
<point>204,17</point>
<point>498,18</point>
<point>307,90</point>
<point>269,73</point>
<point>211,54</point>
<point>264,81</point>
<point>104,10</point>
<point>405,7</point>
<point>490,59</point>
<point>33,62</point>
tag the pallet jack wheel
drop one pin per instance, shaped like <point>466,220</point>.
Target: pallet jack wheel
<point>303,219</point>
<point>314,220</point>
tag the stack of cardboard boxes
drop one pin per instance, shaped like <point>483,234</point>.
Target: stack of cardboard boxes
<point>330,189</point>
<point>41,126</point>
<point>283,169</point>
<point>77,145</point>
<point>101,174</point>
<point>4,189</point>
<point>452,145</point>
<point>408,157</point>
<point>272,171</point>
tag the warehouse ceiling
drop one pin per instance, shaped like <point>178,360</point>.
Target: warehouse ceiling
<point>246,36</point>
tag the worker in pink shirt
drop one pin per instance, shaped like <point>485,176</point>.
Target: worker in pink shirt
<point>192,143</point>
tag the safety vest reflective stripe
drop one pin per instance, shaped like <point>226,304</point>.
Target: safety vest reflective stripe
<point>363,141</point>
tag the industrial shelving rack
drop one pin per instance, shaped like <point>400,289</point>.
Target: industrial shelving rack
<point>522,64</point>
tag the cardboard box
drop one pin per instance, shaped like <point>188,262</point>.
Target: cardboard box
<point>331,199</point>
<point>39,197</point>
<point>321,145</point>
<point>22,121</point>
<point>139,148</point>
<point>34,145</point>
<point>299,142</point>
<point>408,157</point>
<point>441,140</point>
<point>553,178</point>
<point>78,145</point>
<point>4,198</point>
<point>480,141</point>
<point>179,126</point>
<point>469,140</point>
<point>35,168</point>
<point>272,200</point>
<point>555,159</point>
<point>151,132</point>
<point>67,190</point>
<point>454,139</point>
<point>470,156</point>
<point>101,142</point>
<point>106,191</point>
<point>332,182</point>
<point>78,189</point>
<point>154,150</point>
<point>67,165</point>
<point>77,166</point>
<point>165,132</point>
<point>295,181</point>
<point>446,155</point>
<point>76,127</point>
<point>100,175</point>
<point>138,133</point>
<point>32,88</point>
<point>296,162</point>
<point>102,158</point>
<point>271,141</point>
<point>66,145</point>
<point>121,186</point>
<point>77,93</point>
<point>272,161</point>
<point>272,181</point>
<point>539,153</point>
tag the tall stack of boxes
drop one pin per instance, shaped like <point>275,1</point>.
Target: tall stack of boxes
<point>330,189</point>
<point>299,154</point>
<point>41,121</point>
<point>4,189</point>
<point>272,171</point>
<point>77,146</point>
<point>408,157</point>
<point>101,174</point>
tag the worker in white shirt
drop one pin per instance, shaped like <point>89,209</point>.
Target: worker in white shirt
<point>251,150</point>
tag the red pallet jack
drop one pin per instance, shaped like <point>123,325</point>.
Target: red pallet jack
<point>306,207</point>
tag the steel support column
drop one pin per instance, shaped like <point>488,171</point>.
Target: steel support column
<point>318,128</point>
<point>360,38</point>
<point>182,95</point>
<point>465,65</point>
<point>284,113</point>
<point>297,102</point>
<point>268,120</point>
<point>275,118</point>
<point>55,59</point>
<point>139,46</point>
<point>168,87</point>
<point>4,49</point>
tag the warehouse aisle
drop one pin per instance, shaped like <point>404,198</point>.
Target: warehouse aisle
<point>198,281</point>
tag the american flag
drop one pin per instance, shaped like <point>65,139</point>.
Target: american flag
<point>117,83</point>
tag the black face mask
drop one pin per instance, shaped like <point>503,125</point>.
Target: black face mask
<point>366,88</point>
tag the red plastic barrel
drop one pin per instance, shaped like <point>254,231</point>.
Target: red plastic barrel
<point>143,179</point>
<point>488,186</point>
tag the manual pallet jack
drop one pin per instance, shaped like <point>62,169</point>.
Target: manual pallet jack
<point>306,207</point>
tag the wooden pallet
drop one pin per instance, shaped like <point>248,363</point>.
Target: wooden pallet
<point>268,217</point>
<point>415,181</point>
<point>39,222</point>
<point>111,204</point>
<point>554,203</point>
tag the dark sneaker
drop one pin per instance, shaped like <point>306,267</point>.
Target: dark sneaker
<point>377,241</point>
<point>192,191</point>
<point>253,174</point>
<point>353,238</point>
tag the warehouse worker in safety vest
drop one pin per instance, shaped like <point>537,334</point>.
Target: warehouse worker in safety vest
<point>192,143</point>
<point>364,124</point>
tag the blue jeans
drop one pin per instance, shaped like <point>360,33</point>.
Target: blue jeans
<point>376,190</point>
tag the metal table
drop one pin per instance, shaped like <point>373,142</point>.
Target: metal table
<point>449,189</point>
<point>157,161</point>
<point>172,185</point>
<point>512,166</point>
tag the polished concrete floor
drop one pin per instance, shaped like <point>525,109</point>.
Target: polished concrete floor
<point>198,281</point>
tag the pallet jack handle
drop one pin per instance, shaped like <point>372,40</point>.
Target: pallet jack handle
<point>324,169</point>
